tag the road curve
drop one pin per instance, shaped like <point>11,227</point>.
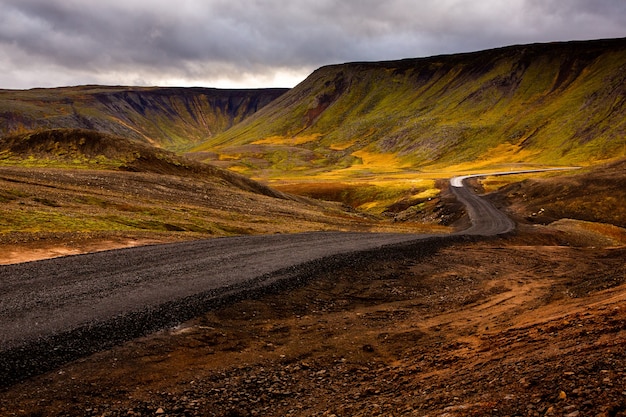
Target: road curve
<point>56,310</point>
<point>485,219</point>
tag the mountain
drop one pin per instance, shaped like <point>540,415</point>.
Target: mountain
<point>370,134</point>
<point>556,103</point>
<point>173,118</point>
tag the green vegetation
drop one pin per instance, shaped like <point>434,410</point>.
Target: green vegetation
<point>542,104</point>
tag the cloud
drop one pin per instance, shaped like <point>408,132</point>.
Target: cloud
<point>210,42</point>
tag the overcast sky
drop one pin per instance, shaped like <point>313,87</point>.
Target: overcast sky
<point>265,43</point>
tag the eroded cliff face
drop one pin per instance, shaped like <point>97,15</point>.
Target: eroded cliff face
<point>173,118</point>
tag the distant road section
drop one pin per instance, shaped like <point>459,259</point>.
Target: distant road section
<point>56,310</point>
<point>458,181</point>
<point>485,218</point>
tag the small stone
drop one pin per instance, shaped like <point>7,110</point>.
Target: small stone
<point>160,411</point>
<point>562,395</point>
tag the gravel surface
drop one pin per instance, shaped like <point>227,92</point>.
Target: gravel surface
<point>508,327</point>
<point>59,309</point>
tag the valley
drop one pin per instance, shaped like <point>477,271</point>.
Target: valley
<point>173,118</point>
<point>523,316</point>
<point>372,134</point>
<point>69,191</point>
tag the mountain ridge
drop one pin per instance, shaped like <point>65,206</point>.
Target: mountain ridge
<point>542,103</point>
<point>372,133</point>
<point>169,117</point>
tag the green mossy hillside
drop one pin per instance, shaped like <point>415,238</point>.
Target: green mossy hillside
<point>558,103</point>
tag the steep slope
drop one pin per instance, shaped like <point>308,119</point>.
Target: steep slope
<point>542,103</point>
<point>172,118</point>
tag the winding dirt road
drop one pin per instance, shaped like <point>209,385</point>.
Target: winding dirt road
<point>56,310</point>
<point>486,220</point>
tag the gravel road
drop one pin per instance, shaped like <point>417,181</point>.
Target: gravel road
<point>57,310</point>
<point>485,218</point>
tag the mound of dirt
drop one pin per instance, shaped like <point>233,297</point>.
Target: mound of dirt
<point>65,144</point>
<point>581,233</point>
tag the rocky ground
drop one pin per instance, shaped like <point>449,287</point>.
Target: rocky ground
<point>523,325</point>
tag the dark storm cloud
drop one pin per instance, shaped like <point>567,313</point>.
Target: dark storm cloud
<point>54,42</point>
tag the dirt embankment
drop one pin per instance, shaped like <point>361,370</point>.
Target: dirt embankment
<point>595,195</point>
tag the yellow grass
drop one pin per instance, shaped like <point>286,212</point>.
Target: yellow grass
<point>227,157</point>
<point>342,146</point>
<point>507,152</point>
<point>287,140</point>
<point>429,193</point>
<point>238,169</point>
<point>384,162</point>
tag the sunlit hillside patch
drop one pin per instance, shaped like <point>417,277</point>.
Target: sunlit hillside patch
<point>379,162</point>
<point>374,196</point>
<point>229,157</point>
<point>285,140</point>
<point>392,191</point>
<point>342,146</point>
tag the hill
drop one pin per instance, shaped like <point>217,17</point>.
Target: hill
<point>557,103</point>
<point>79,148</point>
<point>173,118</point>
<point>65,191</point>
<point>596,195</point>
